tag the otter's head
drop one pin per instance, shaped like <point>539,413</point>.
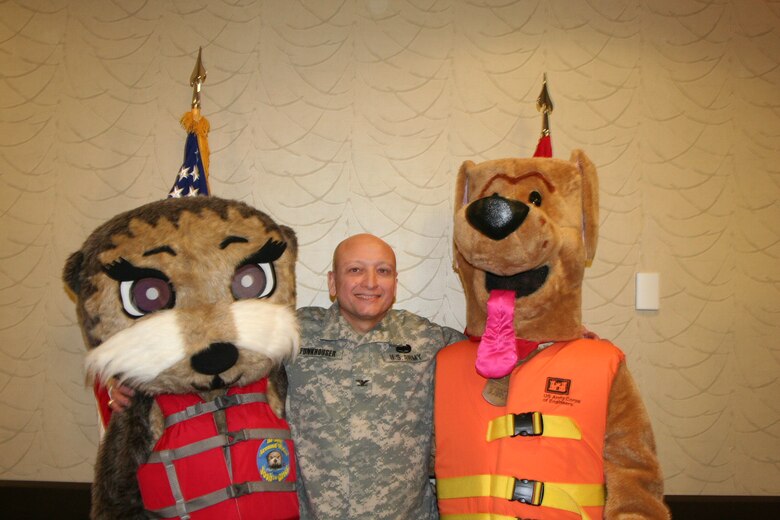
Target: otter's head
<point>189,294</point>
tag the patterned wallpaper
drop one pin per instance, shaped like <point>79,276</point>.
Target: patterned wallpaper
<point>342,116</point>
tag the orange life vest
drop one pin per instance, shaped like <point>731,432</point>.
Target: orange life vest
<point>540,456</point>
<point>197,472</point>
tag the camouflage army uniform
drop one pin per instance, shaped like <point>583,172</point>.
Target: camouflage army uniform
<point>360,409</point>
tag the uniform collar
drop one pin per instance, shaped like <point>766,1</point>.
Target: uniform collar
<point>336,328</point>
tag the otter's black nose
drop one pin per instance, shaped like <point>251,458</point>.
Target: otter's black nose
<point>496,217</point>
<point>215,359</point>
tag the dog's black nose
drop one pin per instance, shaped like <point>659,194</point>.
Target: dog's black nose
<point>496,217</point>
<point>215,359</point>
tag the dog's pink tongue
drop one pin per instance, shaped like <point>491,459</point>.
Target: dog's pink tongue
<point>497,351</point>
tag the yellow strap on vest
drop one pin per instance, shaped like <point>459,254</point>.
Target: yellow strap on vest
<point>477,516</point>
<point>545,426</point>
<point>569,497</point>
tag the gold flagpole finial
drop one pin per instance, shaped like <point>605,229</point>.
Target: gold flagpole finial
<point>545,105</point>
<point>197,78</point>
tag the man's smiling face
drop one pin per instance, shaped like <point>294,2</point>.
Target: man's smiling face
<point>363,280</point>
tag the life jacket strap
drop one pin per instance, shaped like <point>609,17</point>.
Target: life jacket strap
<point>565,496</point>
<point>219,403</point>
<point>217,441</point>
<point>185,508</point>
<point>533,424</point>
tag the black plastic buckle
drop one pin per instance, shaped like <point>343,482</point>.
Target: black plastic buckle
<point>225,401</point>
<point>524,491</point>
<point>524,425</point>
<point>238,490</point>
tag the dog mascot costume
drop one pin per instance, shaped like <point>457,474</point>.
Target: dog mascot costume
<point>191,302</point>
<point>534,417</point>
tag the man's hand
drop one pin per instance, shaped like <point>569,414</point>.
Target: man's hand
<point>119,396</point>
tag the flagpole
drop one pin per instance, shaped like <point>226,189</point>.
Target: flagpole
<point>193,177</point>
<point>197,78</point>
<point>544,105</point>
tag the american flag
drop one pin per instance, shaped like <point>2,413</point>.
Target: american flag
<point>191,180</point>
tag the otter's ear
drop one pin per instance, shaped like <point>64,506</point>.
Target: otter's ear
<point>71,271</point>
<point>590,203</point>
<point>462,185</point>
<point>291,239</point>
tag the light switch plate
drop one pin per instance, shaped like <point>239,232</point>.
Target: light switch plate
<point>648,291</point>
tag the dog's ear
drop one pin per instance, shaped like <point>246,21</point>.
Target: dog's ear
<point>461,199</point>
<point>590,203</point>
<point>462,185</point>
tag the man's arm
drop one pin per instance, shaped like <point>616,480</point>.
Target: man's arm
<point>452,336</point>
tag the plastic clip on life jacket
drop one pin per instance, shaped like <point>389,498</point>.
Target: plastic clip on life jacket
<point>198,470</point>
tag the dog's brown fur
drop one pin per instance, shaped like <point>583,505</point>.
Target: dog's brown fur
<point>186,240</point>
<point>559,234</point>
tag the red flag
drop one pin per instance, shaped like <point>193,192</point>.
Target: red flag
<point>544,147</point>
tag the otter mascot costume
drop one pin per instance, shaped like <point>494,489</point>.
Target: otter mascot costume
<point>534,417</point>
<point>190,301</point>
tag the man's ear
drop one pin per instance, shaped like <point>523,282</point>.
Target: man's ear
<point>331,284</point>
<point>590,203</point>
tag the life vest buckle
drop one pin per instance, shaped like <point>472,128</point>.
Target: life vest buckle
<point>226,401</point>
<point>238,490</point>
<point>528,424</point>
<point>237,436</point>
<point>528,492</point>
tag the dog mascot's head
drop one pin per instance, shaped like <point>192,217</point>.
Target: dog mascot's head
<point>525,229</point>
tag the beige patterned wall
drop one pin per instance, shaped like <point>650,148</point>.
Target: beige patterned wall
<point>343,116</point>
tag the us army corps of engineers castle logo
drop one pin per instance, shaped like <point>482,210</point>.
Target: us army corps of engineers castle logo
<point>557,390</point>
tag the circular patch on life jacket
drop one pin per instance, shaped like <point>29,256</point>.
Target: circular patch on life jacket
<point>273,460</point>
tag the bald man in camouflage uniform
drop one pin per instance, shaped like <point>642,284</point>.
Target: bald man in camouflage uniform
<point>360,395</point>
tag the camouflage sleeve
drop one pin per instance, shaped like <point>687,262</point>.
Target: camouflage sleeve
<point>452,336</point>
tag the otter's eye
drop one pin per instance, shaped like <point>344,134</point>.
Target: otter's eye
<point>535,198</point>
<point>145,295</point>
<point>253,281</point>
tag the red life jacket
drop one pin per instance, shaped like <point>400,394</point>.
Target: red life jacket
<point>538,457</point>
<point>197,472</point>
